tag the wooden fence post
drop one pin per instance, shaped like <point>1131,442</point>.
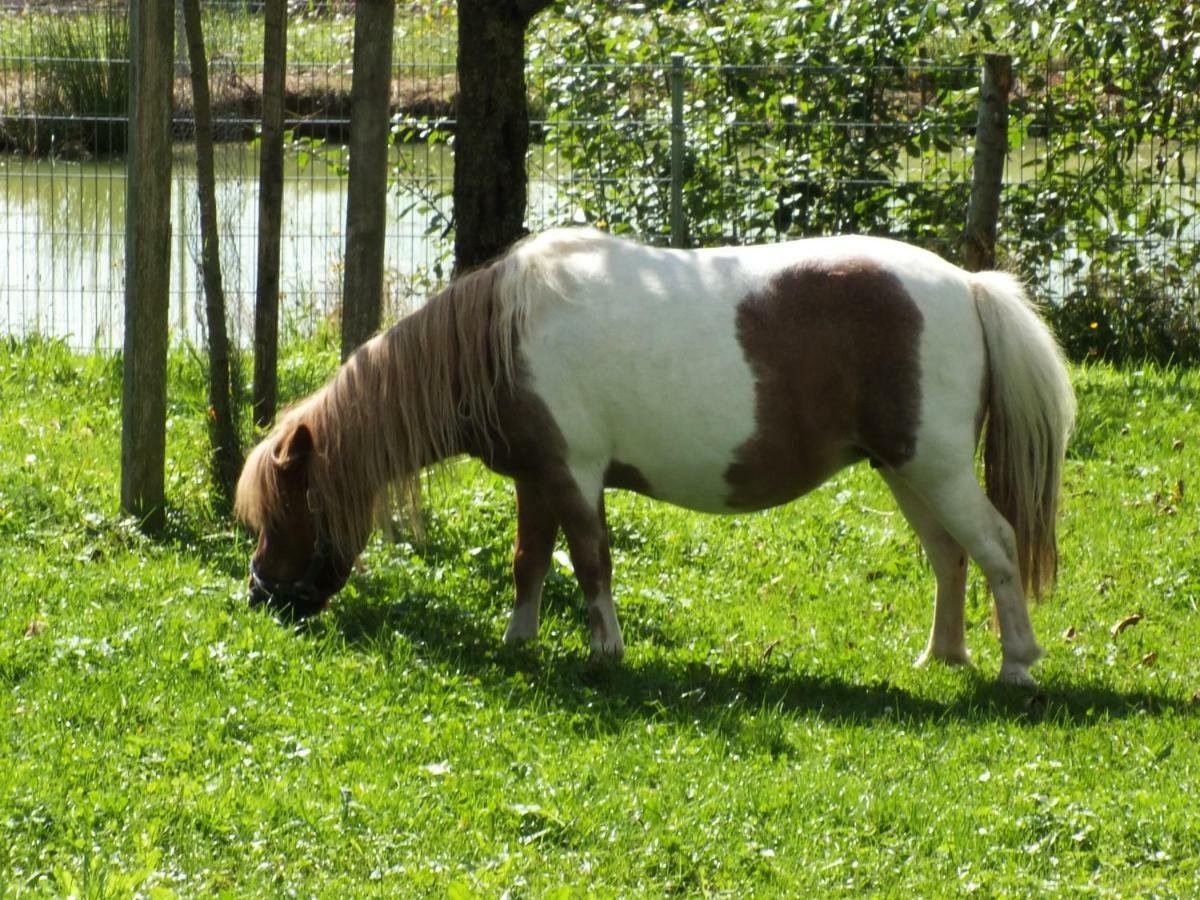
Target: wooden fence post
<point>978,243</point>
<point>147,261</point>
<point>678,222</point>
<point>366,199</point>
<point>270,213</point>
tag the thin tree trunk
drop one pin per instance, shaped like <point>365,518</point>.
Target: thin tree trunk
<point>147,263</point>
<point>492,132</point>
<point>270,213</point>
<point>366,200</point>
<point>978,243</point>
<point>226,447</point>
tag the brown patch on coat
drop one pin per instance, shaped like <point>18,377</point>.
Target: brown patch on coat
<point>529,447</point>
<point>629,478</point>
<point>528,444</point>
<point>524,442</point>
<point>835,353</point>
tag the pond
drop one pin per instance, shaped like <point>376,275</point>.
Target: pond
<point>63,227</point>
<point>63,231</point>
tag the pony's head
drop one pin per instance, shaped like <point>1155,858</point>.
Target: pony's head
<point>317,485</point>
<point>297,566</point>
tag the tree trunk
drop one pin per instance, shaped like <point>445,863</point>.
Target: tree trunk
<point>147,263</point>
<point>226,447</point>
<point>366,199</point>
<point>270,214</point>
<point>492,132</point>
<point>978,243</point>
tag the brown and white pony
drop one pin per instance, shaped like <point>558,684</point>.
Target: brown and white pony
<point>721,380</point>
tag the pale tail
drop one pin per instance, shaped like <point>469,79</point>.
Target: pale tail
<point>1031,409</point>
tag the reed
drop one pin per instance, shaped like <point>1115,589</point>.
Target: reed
<point>81,74</point>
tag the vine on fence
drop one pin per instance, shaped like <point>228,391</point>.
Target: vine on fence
<point>831,117</point>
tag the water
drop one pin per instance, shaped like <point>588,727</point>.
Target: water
<point>62,237</point>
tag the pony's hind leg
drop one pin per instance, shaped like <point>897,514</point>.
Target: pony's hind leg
<point>958,502</point>
<point>948,559</point>
<point>537,528</point>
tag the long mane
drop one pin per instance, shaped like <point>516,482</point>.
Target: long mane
<point>408,398</point>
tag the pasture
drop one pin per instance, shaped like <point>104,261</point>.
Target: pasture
<point>765,735</point>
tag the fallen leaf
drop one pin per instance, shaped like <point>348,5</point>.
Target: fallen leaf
<point>1126,622</point>
<point>34,628</point>
<point>1177,444</point>
<point>1149,658</point>
<point>1069,634</point>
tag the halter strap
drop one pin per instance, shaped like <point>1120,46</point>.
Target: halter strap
<point>303,591</point>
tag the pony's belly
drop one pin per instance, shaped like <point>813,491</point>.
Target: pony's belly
<point>701,487</point>
<point>669,403</point>
<point>708,487</point>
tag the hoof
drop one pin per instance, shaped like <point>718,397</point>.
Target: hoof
<point>1017,674</point>
<point>522,629</point>
<point>607,652</point>
<point>514,637</point>
<point>953,658</point>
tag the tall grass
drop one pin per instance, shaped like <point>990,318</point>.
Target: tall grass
<point>81,69</point>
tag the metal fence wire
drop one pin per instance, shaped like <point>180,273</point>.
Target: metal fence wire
<point>736,153</point>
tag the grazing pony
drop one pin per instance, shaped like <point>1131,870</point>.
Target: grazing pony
<point>721,380</point>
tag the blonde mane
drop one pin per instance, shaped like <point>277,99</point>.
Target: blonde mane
<point>407,399</point>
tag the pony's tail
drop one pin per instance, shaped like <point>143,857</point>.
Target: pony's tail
<point>1031,409</point>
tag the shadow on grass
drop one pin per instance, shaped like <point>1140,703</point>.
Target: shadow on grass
<point>712,694</point>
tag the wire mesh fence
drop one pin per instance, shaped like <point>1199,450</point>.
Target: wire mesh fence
<point>772,164</point>
<point>62,174</point>
<point>761,152</point>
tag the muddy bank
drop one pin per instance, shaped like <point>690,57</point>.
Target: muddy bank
<point>316,105</point>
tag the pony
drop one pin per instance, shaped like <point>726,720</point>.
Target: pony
<point>722,380</point>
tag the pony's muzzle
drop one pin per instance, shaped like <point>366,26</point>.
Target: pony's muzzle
<point>289,602</point>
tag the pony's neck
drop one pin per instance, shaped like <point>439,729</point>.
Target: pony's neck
<point>421,392</point>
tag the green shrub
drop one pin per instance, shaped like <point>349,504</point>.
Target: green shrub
<point>826,118</point>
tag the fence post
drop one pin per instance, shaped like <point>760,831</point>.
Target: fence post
<point>678,225</point>
<point>147,262</point>
<point>270,213</point>
<point>366,191</point>
<point>978,243</point>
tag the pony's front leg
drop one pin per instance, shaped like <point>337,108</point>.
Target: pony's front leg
<point>587,539</point>
<point>537,528</point>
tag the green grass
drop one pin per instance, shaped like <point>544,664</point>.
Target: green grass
<point>765,736</point>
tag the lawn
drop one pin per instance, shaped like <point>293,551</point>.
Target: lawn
<point>766,734</point>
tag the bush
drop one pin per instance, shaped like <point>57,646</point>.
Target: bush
<point>823,118</point>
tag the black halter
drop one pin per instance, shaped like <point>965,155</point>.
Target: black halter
<point>301,595</point>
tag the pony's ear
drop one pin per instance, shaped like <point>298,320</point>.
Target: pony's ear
<point>294,448</point>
